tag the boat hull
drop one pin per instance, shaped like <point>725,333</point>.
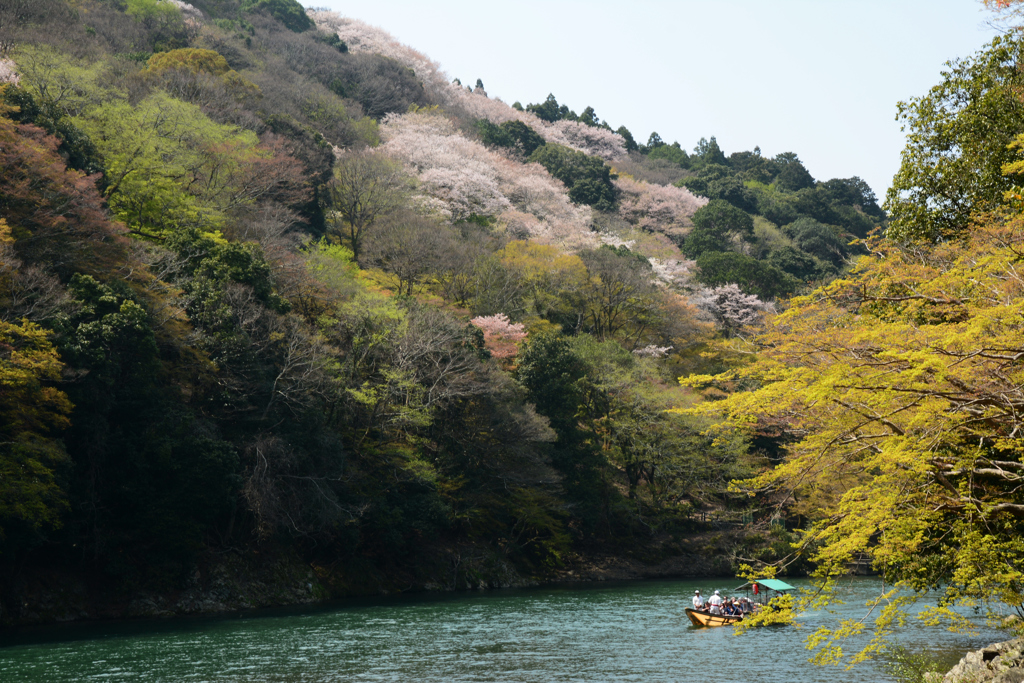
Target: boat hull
<point>700,618</point>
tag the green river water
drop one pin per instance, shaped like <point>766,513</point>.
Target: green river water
<point>606,632</point>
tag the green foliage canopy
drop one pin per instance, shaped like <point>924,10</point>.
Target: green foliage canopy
<point>818,240</point>
<point>167,163</point>
<point>288,12</point>
<point>716,225</point>
<point>588,178</point>
<point>754,277</point>
<point>514,135</point>
<point>958,138</point>
<point>549,110</point>
<point>673,153</point>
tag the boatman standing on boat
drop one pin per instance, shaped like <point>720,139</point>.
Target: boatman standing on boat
<point>698,602</point>
<point>715,602</point>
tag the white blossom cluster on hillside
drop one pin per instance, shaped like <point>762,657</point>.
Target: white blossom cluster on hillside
<point>462,178</point>
<point>187,10</point>
<point>361,37</point>
<point>730,307</point>
<point>459,177</point>
<point>8,71</point>
<point>657,208</point>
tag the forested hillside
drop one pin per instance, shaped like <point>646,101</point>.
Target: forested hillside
<point>272,284</point>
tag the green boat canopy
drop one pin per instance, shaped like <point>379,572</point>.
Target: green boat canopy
<point>773,584</point>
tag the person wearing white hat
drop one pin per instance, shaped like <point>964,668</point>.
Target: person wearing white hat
<point>698,602</point>
<point>715,602</point>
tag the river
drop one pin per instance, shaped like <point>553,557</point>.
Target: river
<point>633,631</point>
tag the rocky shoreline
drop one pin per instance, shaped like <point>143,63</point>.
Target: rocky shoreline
<point>996,663</point>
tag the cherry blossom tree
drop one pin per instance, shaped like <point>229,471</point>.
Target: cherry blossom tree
<point>674,272</point>
<point>657,208</point>
<point>598,142</point>
<point>591,140</point>
<point>652,351</point>
<point>460,177</point>
<point>451,168</point>
<point>8,72</point>
<point>466,192</point>
<point>501,336</point>
<point>187,10</point>
<point>361,37</point>
<point>730,307</point>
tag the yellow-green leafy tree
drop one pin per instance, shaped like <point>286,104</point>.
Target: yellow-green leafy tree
<point>168,164</point>
<point>32,413</point>
<point>902,387</point>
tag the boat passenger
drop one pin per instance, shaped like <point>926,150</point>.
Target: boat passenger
<point>698,602</point>
<point>715,603</point>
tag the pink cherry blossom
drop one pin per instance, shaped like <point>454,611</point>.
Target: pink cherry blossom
<point>594,141</point>
<point>657,208</point>
<point>501,336</point>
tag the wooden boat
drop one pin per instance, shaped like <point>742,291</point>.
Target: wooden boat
<point>762,588</point>
<point>704,618</point>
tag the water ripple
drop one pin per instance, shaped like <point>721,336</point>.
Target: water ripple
<point>625,633</point>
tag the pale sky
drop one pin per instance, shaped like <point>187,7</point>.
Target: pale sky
<point>817,77</point>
